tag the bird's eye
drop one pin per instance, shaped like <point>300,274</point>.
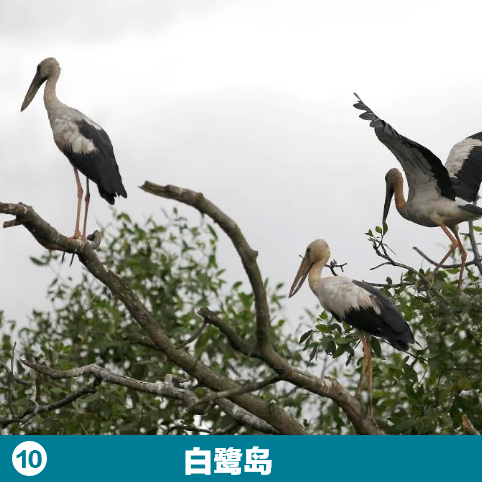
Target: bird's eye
<point>308,251</point>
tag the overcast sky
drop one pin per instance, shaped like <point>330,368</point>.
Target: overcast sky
<point>249,102</point>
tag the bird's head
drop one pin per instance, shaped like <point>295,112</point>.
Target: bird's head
<point>47,68</point>
<point>392,179</point>
<point>317,251</point>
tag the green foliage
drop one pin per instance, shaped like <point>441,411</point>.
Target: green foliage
<point>173,268</point>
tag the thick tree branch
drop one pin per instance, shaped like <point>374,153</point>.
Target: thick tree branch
<point>246,253</point>
<point>141,340</point>
<point>326,387</point>
<point>158,388</point>
<point>48,237</point>
<point>165,389</point>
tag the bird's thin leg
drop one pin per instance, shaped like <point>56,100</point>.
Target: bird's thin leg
<point>368,367</point>
<point>455,244</point>
<point>80,192</point>
<point>463,255</point>
<point>87,201</point>
<point>362,375</point>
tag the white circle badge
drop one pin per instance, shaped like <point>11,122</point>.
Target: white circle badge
<point>29,458</point>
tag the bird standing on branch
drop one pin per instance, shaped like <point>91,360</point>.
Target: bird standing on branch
<point>357,303</point>
<point>86,145</point>
<point>438,195</point>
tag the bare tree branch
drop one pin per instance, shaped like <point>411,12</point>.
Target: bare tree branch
<point>251,387</point>
<point>233,338</point>
<point>36,409</point>
<point>16,379</point>
<point>272,414</point>
<point>194,336</point>
<point>334,264</point>
<point>381,251</point>
<point>475,248</point>
<point>327,387</point>
<point>141,340</point>
<point>48,237</point>
<point>433,262</point>
<point>245,418</point>
<point>165,389</point>
<point>10,382</point>
<point>158,388</point>
<point>246,253</point>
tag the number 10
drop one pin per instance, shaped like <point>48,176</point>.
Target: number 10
<point>33,453</point>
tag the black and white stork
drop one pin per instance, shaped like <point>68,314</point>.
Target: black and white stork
<point>86,145</point>
<point>357,303</point>
<point>438,195</point>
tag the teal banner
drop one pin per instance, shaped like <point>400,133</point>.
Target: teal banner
<point>240,458</point>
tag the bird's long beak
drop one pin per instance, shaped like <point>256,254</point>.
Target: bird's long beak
<point>390,191</point>
<point>301,275</point>
<point>32,90</point>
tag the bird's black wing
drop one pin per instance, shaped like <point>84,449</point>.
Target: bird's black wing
<point>421,166</point>
<point>464,165</point>
<point>99,165</point>
<point>389,324</point>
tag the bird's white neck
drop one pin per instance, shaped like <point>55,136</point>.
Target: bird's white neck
<point>314,276</point>
<point>50,96</point>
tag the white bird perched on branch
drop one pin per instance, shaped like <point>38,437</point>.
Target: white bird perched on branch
<point>86,145</point>
<point>357,303</point>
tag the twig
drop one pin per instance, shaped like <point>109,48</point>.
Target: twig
<point>36,409</point>
<point>392,285</point>
<point>251,387</point>
<point>16,379</point>
<point>433,262</point>
<point>9,224</point>
<point>95,238</point>
<point>384,254</point>
<point>333,264</point>
<point>10,382</point>
<point>233,338</point>
<point>194,336</point>
<point>475,248</point>
<point>468,426</point>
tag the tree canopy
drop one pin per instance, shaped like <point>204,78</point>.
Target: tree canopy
<point>154,340</point>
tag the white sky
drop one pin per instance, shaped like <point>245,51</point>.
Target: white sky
<point>247,101</point>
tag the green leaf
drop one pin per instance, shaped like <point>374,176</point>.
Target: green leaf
<point>306,335</point>
<point>330,348</point>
